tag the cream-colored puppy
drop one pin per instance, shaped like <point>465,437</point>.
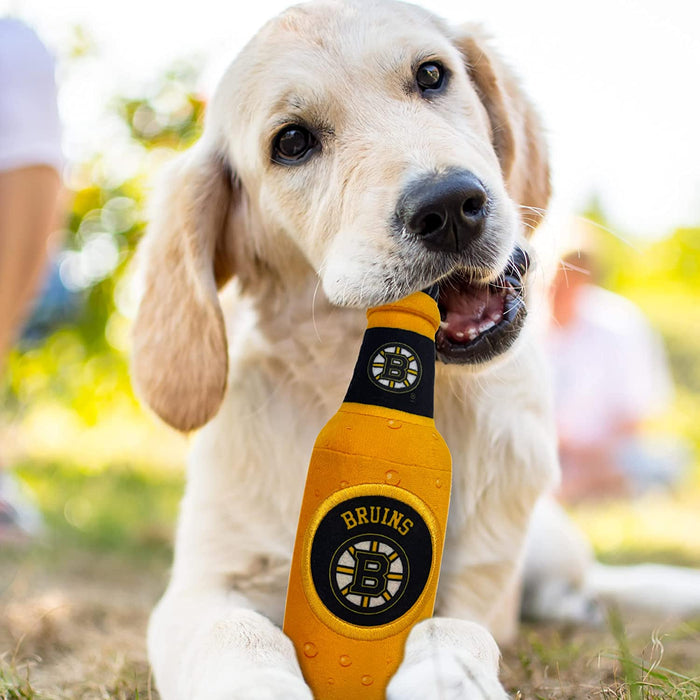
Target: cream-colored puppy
<point>353,153</point>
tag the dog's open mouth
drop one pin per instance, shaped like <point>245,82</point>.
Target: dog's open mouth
<point>481,320</point>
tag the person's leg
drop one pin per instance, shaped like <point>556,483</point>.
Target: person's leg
<point>28,198</point>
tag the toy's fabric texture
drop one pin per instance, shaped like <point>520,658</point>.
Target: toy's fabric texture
<point>371,530</point>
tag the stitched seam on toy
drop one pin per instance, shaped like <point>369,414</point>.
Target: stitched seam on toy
<point>383,459</point>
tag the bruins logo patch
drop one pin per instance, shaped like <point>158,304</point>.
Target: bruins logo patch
<point>371,557</point>
<point>395,367</point>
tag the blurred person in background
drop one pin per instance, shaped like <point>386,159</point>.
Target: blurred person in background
<point>30,163</point>
<point>610,377</point>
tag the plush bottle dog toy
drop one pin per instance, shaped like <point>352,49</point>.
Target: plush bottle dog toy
<point>372,524</point>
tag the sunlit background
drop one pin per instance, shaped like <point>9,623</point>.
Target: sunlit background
<point>615,81</point>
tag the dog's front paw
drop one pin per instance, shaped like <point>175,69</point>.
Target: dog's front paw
<point>262,684</point>
<point>258,663</point>
<point>448,659</point>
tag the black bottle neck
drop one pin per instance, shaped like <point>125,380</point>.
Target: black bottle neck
<point>395,369</point>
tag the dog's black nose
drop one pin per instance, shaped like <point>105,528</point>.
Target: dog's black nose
<point>446,211</point>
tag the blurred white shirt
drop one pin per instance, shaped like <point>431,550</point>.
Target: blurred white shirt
<point>609,366</point>
<point>30,132</point>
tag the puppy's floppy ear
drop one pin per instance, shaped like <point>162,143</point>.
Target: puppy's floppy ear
<point>180,358</point>
<point>516,131</point>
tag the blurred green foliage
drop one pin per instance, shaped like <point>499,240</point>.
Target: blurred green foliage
<point>83,363</point>
<point>170,119</point>
<point>663,278</point>
<point>167,119</point>
<point>123,508</point>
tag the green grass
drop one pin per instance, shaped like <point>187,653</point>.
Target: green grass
<point>16,685</point>
<point>124,508</point>
<point>645,678</point>
<point>110,529</point>
<point>622,661</point>
<point>13,686</point>
<point>661,527</point>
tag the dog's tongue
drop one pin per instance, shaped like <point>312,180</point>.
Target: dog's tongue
<point>470,310</point>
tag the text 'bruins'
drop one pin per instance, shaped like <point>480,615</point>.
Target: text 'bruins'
<point>360,516</point>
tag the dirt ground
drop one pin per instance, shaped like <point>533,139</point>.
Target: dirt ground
<point>73,627</point>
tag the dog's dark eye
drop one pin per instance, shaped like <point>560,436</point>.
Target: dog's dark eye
<point>430,76</point>
<point>293,144</point>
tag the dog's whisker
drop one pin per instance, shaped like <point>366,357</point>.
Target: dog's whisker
<point>611,231</point>
<point>321,269</point>
<point>313,310</point>
<point>569,266</point>
<point>538,210</point>
<point>461,397</point>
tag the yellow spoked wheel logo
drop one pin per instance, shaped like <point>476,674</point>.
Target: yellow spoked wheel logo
<point>395,367</point>
<point>369,573</point>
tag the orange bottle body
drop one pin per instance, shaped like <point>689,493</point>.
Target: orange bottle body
<point>371,530</point>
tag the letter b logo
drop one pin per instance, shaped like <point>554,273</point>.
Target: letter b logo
<point>395,367</point>
<point>370,573</point>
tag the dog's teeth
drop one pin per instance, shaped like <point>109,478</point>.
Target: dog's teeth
<point>486,325</point>
<point>472,333</point>
<point>459,334</point>
<point>443,325</point>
